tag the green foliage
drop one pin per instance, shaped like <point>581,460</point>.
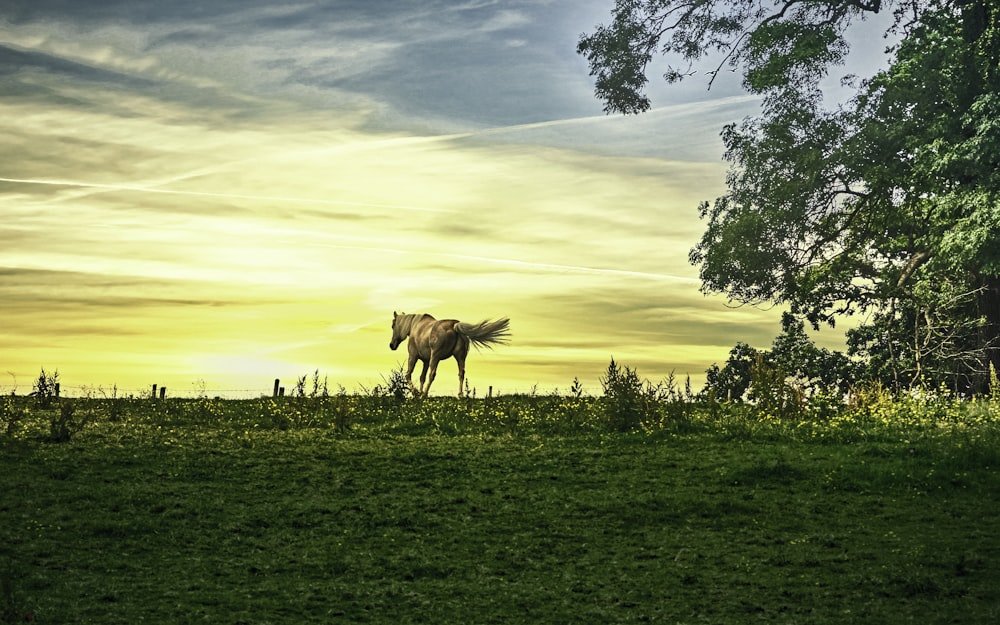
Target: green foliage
<point>621,88</point>
<point>813,369</point>
<point>789,45</point>
<point>776,405</point>
<point>771,394</point>
<point>320,387</point>
<point>628,401</point>
<point>395,386</point>
<point>780,380</point>
<point>732,381</point>
<point>885,206</point>
<point>781,53</point>
<point>13,412</point>
<point>994,383</point>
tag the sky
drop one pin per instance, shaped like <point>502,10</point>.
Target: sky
<point>211,195</point>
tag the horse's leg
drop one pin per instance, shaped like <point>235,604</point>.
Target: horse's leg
<point>423,376</point>
<point>460,359</point>
<point>461,351</point>
<point>434,369</point>
<point>410,364</point>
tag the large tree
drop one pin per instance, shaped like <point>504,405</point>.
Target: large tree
<point>888,204</point>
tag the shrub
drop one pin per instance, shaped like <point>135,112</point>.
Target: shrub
<point>396,385</point>
<point>772,395</point>
<point>731,382</point>
<point>45,389</point>
<point>629,402</point>
<point>12,415</point>
<point>66,422</point>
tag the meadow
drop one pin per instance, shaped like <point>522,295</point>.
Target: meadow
<point>530,509</point>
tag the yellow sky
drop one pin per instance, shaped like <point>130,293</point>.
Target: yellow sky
<point>177,251</point>
<point>150,238</point>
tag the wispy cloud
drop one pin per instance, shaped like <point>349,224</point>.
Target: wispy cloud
<point>251,191</point>
<point>219,195</point>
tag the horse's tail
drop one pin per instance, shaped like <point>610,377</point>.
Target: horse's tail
<point>485,333</point>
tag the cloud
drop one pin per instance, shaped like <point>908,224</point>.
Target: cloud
<point>217,195</point>
<point>504,20</point>
<point>202,185</point>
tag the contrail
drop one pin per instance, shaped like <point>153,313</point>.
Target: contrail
<point>676,108</point>
<point>237,196</point>
<point>531,265</point>
<point>571,268</point>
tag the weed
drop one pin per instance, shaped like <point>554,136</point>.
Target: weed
<point>994,383</point>
<point>772,395</point>
<point>46,388</point>
<point>300,387</point>
<point>395,387</point>
<point>12,415</point>
<point>66,422</point>
<point>114,402</point>
<point>319,387</point>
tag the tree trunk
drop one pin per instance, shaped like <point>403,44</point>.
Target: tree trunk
<point>989,333</point>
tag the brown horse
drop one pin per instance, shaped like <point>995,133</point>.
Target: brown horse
<point>432,341</point>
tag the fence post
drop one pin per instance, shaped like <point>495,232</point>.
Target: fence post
<point>277,383</point>
<point>490,396</point>
<point>163,392</point>
<point>57,389</point>
<point>281,392</point>
<point>154,392</point>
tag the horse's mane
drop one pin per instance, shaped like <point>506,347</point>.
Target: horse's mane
<point>404,322</point>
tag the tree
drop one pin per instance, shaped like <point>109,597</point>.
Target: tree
<point>811,368</point>
<point>793,361</point>
<point>933,119</point>
<point>731,382</point>
<point>886,205</point>
<point>789,42</point>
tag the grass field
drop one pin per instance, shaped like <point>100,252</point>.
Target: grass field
<point>523,510</point>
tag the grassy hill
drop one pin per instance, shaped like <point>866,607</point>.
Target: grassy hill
<point>511,510</point>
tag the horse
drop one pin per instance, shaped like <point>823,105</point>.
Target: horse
<point>432,341</point>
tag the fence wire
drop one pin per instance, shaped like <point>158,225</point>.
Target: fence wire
<point>72,391</point>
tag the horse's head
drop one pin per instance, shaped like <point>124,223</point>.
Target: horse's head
<point>397,332</point>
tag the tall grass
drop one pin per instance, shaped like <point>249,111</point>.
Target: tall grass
<point>628,405</point>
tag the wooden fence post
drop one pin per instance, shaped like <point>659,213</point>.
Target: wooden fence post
<point>281,392</point>
<point>154,392</point>
<point>57,389</point>
<point>163,392</point>
<point>277,383</point>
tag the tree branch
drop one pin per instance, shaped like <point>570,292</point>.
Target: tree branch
<point>917,259</point>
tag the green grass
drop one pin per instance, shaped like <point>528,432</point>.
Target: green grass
<point>249,512</point>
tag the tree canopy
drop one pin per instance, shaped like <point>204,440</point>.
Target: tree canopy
<point>887,205</point>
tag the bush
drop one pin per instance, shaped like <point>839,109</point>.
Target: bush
<point>45,389</point>
<point>396,386</point>
<point>12,415</point>
<point>772,395</point>
<point>65,423</point>
<point>629,402</point>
